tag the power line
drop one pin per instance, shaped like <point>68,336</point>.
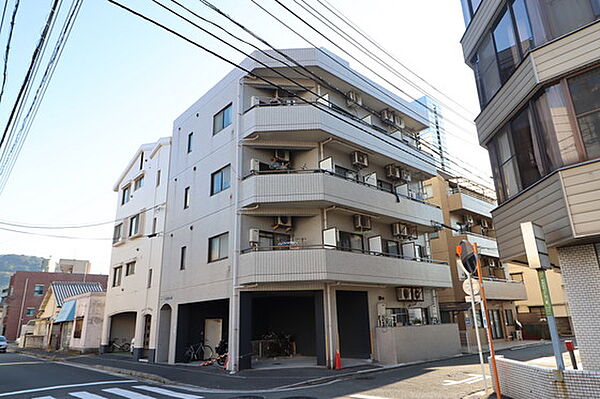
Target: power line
<point>355,27</point>
<point>3,14</point>
<point>7,51</point>
<point>55,235</point>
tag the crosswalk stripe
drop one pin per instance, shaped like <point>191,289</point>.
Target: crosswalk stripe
<point>167,392</point>
<point>86,395</point>
<point>127,393</point>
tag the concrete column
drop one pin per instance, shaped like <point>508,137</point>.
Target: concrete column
<point>138,336</point>
<point>105,334</point>
<point>173,336</point>
<point>580,266</point>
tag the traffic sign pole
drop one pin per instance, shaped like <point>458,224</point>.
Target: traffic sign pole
<point>489,330</point>
<point>550,318</point>
<point>473,308</point>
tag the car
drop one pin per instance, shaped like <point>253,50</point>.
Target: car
<point>3,343</point>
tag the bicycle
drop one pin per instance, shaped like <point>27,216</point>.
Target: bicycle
<point>116,347</point>
<point>196,352</point>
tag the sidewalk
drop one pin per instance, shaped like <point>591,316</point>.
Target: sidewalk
<point>209,377</point>
<point>503,345</point>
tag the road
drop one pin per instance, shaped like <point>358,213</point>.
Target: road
<point>24,376</point>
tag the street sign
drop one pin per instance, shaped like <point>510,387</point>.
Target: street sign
<point>467,287</point>
<point>535,246</point>
<point>477,298</point>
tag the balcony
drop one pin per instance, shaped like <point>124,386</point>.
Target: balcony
<point>487,245</point>
<point>459,200</point>
<point>504,290</point>
<point>330,263</point>
<point>301,118</point>
<point>323,188</point>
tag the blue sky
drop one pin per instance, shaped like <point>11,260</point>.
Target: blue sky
<point>121,82</point>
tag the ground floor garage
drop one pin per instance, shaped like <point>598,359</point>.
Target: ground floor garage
<point>121,330</point>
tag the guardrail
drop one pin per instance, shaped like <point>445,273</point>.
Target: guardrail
<point>294,246</point>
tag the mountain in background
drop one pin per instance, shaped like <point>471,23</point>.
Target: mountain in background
<point>12,263</point>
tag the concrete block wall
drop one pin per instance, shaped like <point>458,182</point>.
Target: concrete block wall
<point>580,266</point>
<point>520,380</point>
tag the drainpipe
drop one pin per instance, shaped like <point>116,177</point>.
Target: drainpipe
<point>234,306</point>
<point>22,305</point>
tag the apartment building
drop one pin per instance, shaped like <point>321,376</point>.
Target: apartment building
<point>131,306</point>
<point>531,313</point>
<point>467,211</point>
<point>537,69</point>
<point>26,291</point>
<point>293,212</point>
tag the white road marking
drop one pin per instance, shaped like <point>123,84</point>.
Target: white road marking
<point>44,397</point>
<point>86,395</point>
<point>65,386</point>
<point>471,380</point>
<point>167,392</point>
<point>360,396</point>
<point>127,393</point>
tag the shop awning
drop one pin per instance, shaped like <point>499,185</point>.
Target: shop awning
<point>67,312</point>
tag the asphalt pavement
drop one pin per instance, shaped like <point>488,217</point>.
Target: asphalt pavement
<point>24,376</point>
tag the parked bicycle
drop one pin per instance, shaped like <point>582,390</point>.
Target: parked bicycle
<point>114,346</point>
<point>199,351</point>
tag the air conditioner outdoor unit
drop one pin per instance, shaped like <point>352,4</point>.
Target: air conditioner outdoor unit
<point>362,222</point>
<point>469,220</point>
<point>400,230</point>
<point>492,263</point>
<point>282,155</point>
<point>404,293</point>
<point>254,165</point>
<point>405,175</point>
<point>360,159</point>
<point>283,221</point>
<point>485,224</point>
<point>392,172</point>
<point>254,236</point>
<point>387,117</point>
<point>398,122</point>
<point>353,99</point>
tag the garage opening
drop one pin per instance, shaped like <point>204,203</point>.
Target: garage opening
<point>281,325</point>
<point>122,331</point>
<point>201,322</point>
<point>353,324</point>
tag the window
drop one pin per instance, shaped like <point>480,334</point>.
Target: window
<point>38,290</point>
<point>141,161</point>
<point>149,283</point>
<point>529,172</point>
<point>118,233</point>
<point>30,312</point>
<point>125,194</point>
<point>117,272</point>
<point>78,327</point>
<point>154,225</point>
<point>134,225</point>
<point>509,317</point>
<point>189,142</point>
<point>273,241</point>
<point>158,178</point>
<point>182,258</point>
<point>585,94</point>
<point>469,8</point>
<point>218,247</point>
<point>186,197</point>
<point>347,173</point>
<point>487,75</point>
<point>428,191</point>
<point>506,166</point>
<point>399,316</point>
<point>506,46</point>
<point>392,248</point>
<point>222,119</point>
<point>516,276</point>
<point>129,268</point>
<point>385,186</point>
<point>523,27</point>
<point>138,183</point>
<point>351,242</point>
<point>220,180</point>
<point>553,18</point>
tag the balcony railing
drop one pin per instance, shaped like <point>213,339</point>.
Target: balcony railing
<point>356,181</point>
<point>409,138</point>
<point>293,246</point>
<point>457,190</point>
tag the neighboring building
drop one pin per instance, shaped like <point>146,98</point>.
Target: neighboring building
<point>74,266</point>
<point>531,313</point>
<point>52,304</point>
<point>11,263</point>
<point>132,299</point>
<point>290,219</point>
<point>537,66</point>
<point>26,291</point>
<point>433,139</point>
<point>80,322</point>
<point>466,206</point>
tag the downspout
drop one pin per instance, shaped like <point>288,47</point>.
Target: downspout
<point>234,334</point>
<point>22,305</point>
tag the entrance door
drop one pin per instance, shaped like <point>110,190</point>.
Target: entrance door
<point>353,324</point>
<point>496,324</point>
<point>212,332</point>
